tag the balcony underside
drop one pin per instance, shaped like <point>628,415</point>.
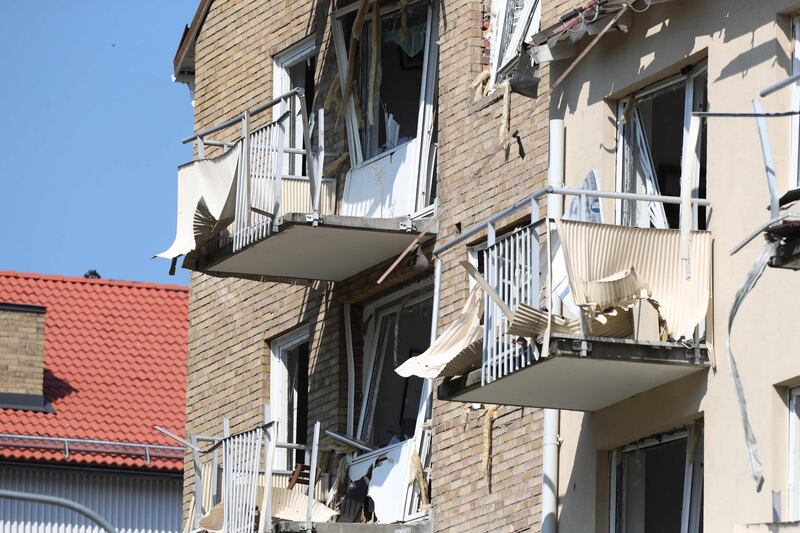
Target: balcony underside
<point>338,248</point>
<point>613,370</point>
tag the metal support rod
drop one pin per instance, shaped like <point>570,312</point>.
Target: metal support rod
<point>61,502</point>
<point>350,442</point>
<point>769,166</point>
<point>779,85</point>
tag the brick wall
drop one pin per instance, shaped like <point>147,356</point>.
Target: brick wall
<point>231,321</point>
<point>21,350</point>
<point>470,189</point>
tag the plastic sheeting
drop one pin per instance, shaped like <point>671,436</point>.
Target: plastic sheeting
<point>206,201</point>
<point>597,251</point>
<point>457,350</point>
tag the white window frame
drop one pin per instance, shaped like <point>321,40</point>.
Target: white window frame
<point>531,18</point>
<point>373,315</point>
<point>688,81</point>
<point>425,154</point>
<point>794,137</point>
<point>692,481</point>
<point>793,459</point>
<point>279,382</point>
<point>281,84</point>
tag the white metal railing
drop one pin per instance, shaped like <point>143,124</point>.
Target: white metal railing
<point>241,456</point>
<point>511,267</point>
<point>247,463</point>
<point>265,189</point>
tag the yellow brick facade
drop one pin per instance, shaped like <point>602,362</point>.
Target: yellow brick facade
<point>231,321</point>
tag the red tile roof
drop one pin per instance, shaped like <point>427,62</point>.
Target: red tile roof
<point>115,366</point>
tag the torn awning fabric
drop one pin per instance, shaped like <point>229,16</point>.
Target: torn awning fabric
<point>615,263</point>
<point>457,350</point>
<point>206,201</point>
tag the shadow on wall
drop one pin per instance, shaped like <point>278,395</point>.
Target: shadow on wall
<point>577,501</point>
<point>664,38</point>
<point>585,501</point>
<point>56,388</point>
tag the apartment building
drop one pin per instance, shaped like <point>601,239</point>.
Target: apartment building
<point>474,259</point>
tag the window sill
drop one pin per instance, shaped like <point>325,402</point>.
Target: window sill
<point>485,101</point>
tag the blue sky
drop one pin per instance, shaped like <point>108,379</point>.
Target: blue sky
<point>90,124</point>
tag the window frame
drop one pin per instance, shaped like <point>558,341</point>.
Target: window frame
<point>282,83</point>
<point>693,486</point>
<point>531,17</point>
<point>279,349</point>
<point>374,313</point>
<point>688,80</point>
<point>793,454</point>
<point>424,154</point>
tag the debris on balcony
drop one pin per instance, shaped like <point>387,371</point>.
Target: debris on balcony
<point>206,193</point>
<point>636,263</point>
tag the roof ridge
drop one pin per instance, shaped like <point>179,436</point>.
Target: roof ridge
<point>94,281</point>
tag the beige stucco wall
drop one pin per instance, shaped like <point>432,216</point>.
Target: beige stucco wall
<point>747,47</point>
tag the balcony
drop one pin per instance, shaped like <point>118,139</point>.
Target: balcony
<point>610,312</point>
<point>262,208</point>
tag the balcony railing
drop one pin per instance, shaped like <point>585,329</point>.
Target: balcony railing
<point>512,269</point>
<point>265,189</point>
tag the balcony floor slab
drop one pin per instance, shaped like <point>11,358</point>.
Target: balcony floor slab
<point>565,380</point>
<point>338,248</point>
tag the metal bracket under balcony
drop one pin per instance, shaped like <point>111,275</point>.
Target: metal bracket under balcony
<point>331,249</point>
<point>611,371</point>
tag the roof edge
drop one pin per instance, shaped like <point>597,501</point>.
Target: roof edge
<point>189,37</point>
<point>92,281</point>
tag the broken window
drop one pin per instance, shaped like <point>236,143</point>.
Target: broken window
<point>513,21</point>
<point>794,454</point>
<point>289,395</point>
<point>390,107</point>
<point>391,403</point>
<point>654,124</point>
<point>658,485</point>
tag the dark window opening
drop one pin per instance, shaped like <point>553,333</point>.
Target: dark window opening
<point>654,129</point>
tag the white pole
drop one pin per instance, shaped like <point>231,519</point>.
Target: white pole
<point>555,209</point>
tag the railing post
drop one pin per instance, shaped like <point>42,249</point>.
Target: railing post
<point>277,185</point>
<point>198,484</point>
<point>320,163</point>
<point>265,518</point>
<point>200,148</point>
<point>312,475</point>
<point>246,166</point>
<point>312,171</point>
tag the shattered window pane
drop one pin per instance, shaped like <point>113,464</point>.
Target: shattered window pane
<point>395,88</point>
<point>391,412</point>
<point>653,131</point>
